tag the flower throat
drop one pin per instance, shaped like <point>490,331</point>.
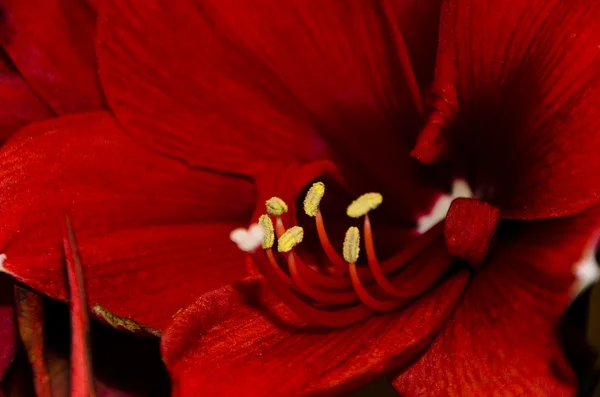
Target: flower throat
<point>342,292</point>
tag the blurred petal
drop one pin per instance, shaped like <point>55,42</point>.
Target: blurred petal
<point>51,42</point>
<point>503,334</point>
<point>8,327</point>
<point>153,233</point>
<point>30,316</point>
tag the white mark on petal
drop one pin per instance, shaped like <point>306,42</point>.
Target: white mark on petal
<point>460,188</point>
<point>2,259</point>
<point>587,272</point>
<point>248,239</point>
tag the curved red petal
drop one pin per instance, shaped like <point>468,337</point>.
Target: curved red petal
<point>273,80</point>
<point>525,75</point>
<point>228,343</point>
<point>503,333</point>
<point>20,105</point>
<point>153,233</point>
<point>51,42</point>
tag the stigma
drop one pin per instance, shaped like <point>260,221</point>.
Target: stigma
<point>345,290</point>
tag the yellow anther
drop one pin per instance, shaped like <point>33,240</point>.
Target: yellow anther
<point>291,238</point>
<point>276,206</point>
<point>269,233</point>
<point>365,203</point>
<point>351,245</point>
<point>313,198</point>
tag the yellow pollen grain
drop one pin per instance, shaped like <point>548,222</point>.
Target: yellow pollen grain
<point>313,198</point>
<point>291,238</point>
<point>276,206</point>
<point>351,245</point>
<point>267,225</point>
<point>365,203</point>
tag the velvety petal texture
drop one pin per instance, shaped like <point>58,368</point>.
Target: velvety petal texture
<point>20,105</point>
<point>153,233</point>
<point>527,92</point>
<point>51,43</point>
<point>231,342</point>
<point>503,334</point>
<point>222,84</point>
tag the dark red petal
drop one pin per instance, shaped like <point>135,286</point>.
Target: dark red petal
<point>8,335</point>
<point>82,377</point>
<point>20,105</point>
<point>526,78</point>
<point>153,233</point>
<point>30,316</point>
<point>273,80</point>
<point>228,343</point>
<point>51,42</point>
<point>503,334</point>
<point>469,227</point>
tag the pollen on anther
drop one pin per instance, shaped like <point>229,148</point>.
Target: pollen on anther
<point>351,245</point>
<point>313,198</point>
<point>362,205</point>
<point>291,238</point>
<point>276,206</point>
<point>269,233</point>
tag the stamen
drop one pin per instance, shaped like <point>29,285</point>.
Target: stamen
<point>313,198</point>
<point>318,295</point>
<point>276,206</point>
<point>404,257</point>
<point>291,238</point>
<point>365,203</point>
<point>328,318</point>
<point>351,245</point>
<point>339,265</point>
<point>315,295</point>
<point>269,235</point>
<point>368,299</point>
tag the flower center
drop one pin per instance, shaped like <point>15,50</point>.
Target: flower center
<point>343,292</point>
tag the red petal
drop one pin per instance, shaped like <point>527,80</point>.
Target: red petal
<point>228,344</point>
<point>291,80</point>
<point>30,316</point>
<point>52,44</point>
<point>8,336</point>
<point>503,334</point>
<point>526,77</point>
<point>82,383</point>
<point>153,233</point>
<point>20,105</point>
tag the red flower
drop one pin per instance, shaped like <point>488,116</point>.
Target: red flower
<point>218,106</point>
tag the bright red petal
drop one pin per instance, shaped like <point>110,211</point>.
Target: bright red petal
<point>525,75</point>
<point>8,335</point>
<point>51,42</point>
<point>20,105</point>
<point>503,334</point>
<point>224,83</point>
<point>228,344</point>
<point>153,233</point>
